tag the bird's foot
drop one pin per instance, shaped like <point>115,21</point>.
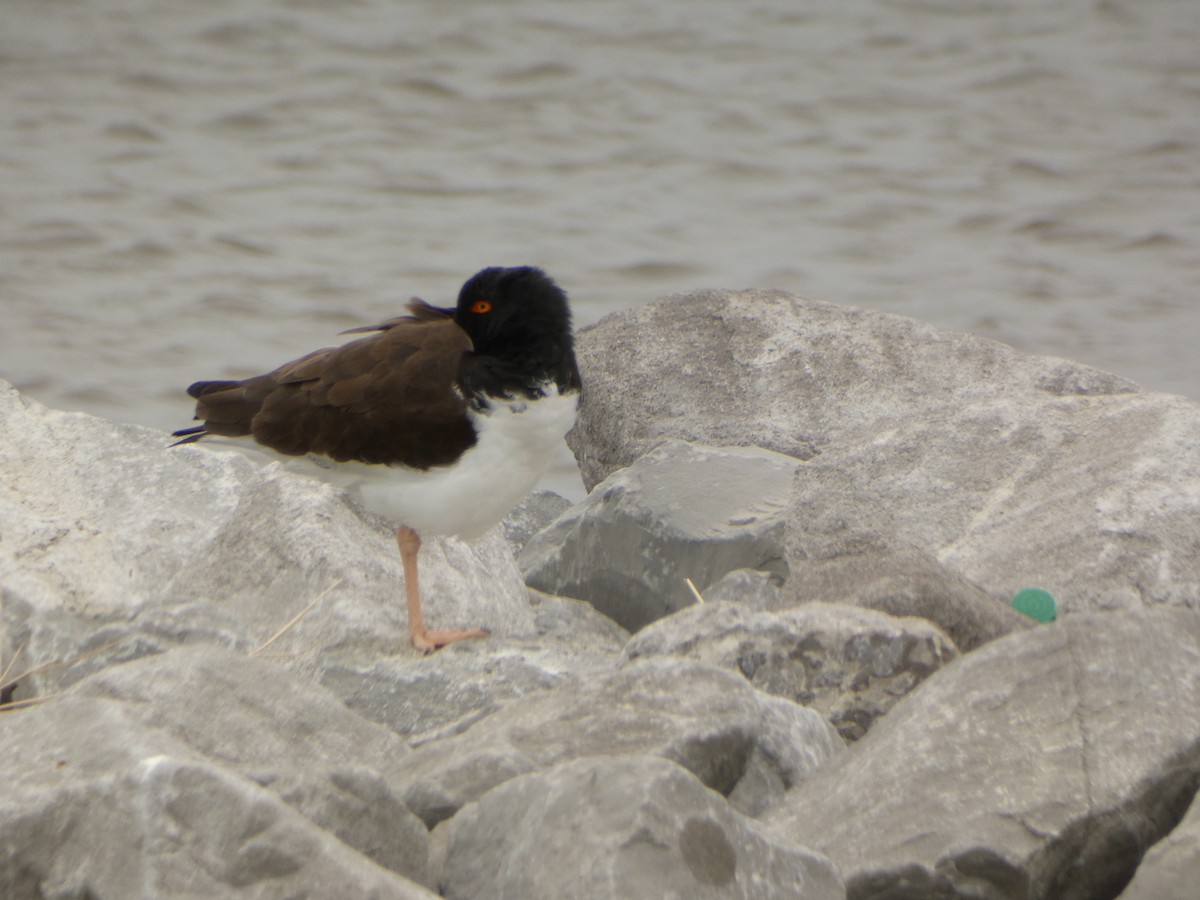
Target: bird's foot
<point>427,640</point>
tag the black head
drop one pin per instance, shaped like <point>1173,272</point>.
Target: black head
<point>518,319</point>
<point>506,311</point>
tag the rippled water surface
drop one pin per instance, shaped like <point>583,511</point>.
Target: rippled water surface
<point>207,189</point>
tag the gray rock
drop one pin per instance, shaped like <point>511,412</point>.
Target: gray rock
<point>107,806</point>
<point>747,745</point>
<point>838,560</point>
<point>357,806</point>
<point>652,831</point>
<point>452,689</point>
<point>1172,866</point>
<point>246,715</point>
<point>851,665</point>
<point>457,686</point>
<point>680,512</point>
<point>533,514</point>
<point>115,547</point>
<point>1040,765</point>
<point>1007,469</point>
<point>748,588</point>
<point>243,711</point>
<point>567,622</point>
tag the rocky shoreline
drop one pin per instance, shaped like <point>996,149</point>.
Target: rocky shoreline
<point>772,654</point>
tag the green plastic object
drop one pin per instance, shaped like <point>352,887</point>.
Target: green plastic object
<point>1036,603</point>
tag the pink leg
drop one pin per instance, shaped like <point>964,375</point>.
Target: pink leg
<point>422,638</point>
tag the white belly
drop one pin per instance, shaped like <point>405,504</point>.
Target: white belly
<point>516,440</point>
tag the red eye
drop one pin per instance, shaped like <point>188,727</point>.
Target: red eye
<point>481,306</point>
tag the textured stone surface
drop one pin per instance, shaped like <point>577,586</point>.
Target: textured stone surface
<point>749,588</point>
<point>1172,866</point>
<point>356,805</point>
<point>112,539</point>
<point>681,512</point>
<point>851,665</point>
<point>565,621</point>
<point>108,806</point>
<point>1008,469</point>
<point>246,714</point>
<point>533,514</point>
<point>747,745</point>
<point>837,560</point>
<point>450,690</point>
<point>460,685</point>
<point>652,831</point>
<point>230,707</point>
<point>1041,765</point>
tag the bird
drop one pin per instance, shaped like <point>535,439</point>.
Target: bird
<point>441,420</point>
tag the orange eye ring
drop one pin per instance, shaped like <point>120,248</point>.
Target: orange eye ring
<point>481,306</point>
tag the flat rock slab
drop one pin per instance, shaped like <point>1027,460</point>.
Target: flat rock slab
<point>231,707</point>
<point>281,731</point>
<point>107,806</point>
<point>1040,765</point>
<point>851,665</point>
<point>115,546</point>
<point>1009,469</point>
<point>749,746</point>
<point>682,511</point>
<point>652,831</point>
<point>457,686</point>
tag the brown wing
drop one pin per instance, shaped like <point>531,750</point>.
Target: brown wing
<point>388,398</point>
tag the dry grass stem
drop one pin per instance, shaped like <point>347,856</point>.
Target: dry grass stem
<point>5,681</point>
<point>25,704</point>
<point>695,591</point>
<point>46,667</point>
<point>296,618</point>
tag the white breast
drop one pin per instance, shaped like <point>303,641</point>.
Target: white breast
<point>516,440</point>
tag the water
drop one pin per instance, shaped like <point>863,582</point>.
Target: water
<point>193,190</point>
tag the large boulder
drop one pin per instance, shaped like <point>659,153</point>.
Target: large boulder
<point>851,665</point>
<point>652,831</point>
<point>102,804</point>
<point>116,546</point>
<point>1040,765</point>
<point>682,512</point>
<point>280,731</point>
<point>1007,469</point>
<point>749,746</point>
<point>243,711</point>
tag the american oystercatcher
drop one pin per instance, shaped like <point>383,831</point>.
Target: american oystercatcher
<point>441,422</point>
